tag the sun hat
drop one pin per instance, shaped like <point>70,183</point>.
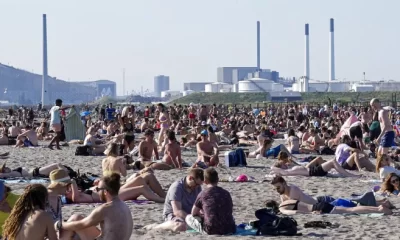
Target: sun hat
<point>59,178</point>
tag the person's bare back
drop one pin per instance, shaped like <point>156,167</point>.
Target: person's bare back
<point>37,226</point>
<point>172,155</point>
<point>117,220</point>
<point>384,120</point>
<point>114,164</point>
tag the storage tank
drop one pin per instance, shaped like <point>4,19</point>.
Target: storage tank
<point>187,92</point>
<point>295,87</point>
<point>255,85</point>
<point>225,90</point>
<point>217,86</point>
<point>340,86</point>
<point>363,88</point>
<point>235,87</point>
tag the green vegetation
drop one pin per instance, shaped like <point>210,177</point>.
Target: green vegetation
<point>248,98</point>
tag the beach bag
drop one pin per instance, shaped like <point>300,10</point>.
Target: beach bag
<point>85,181</point>
<point>82,151</point>
<point>265,216</point>
<point>235,158</point>
<point>282,226</point>
<point>71,172</point>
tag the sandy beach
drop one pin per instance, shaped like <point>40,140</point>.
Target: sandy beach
<point>247,197</point>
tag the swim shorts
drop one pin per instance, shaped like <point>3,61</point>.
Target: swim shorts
<point>317,171</point>
<point>387,140</point>
<point>274,151</point>
<point>28,143</point>
<point>323,207</point>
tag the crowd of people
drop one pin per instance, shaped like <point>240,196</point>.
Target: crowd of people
<point>127,140</point>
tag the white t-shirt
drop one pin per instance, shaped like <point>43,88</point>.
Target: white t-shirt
<point>386,170</point>
<point>358,123</point>
<point>55,115</point>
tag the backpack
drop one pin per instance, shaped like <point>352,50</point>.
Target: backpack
<point>85,181</point>
<point>283,226</point>
<point>82,151</point>
<point>71,172</point>
<point>235,158</point>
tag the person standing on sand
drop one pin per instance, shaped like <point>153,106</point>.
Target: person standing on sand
<point>386,138</point>
<point>214,208</point>
<point>114,216</point>
<point>28,219</point>
<point>180,199</point>
<point>110,111</point>
<point>55,123</point>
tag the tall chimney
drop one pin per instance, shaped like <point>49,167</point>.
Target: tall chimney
<point>307,56</point>
<point>258,46</point>
<point>44,77</point>
<point>332,51</point>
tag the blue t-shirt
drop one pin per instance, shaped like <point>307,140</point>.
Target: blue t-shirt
<point>110,113</point>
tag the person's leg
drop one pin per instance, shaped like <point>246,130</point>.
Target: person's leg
<point>327,166</point>
<point>47,169</point>
<point>214,161</point>
<point>90,233</point>
<point>154,184</point>
<point>367,164</point>
<point>161,136</point>
<point>362,210</point>
<point>172,225</point>
<point>315,162</point>
<point>353,159</point>
<point>194,223</point>
<point>295,171</point>
<point>134,192</point>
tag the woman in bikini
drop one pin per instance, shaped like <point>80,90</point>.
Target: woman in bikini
<point>291,207</point>
<point>316,168</point>
<point>42,172</point>
<point>129,137</point>
<point>164,122</point>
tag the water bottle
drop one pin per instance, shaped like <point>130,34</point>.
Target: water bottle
<point>230,179</point>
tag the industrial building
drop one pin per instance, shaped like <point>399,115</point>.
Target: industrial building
<point>195,86</point>
<point>161,83</point>
<point>102,87</point>
<point>284,97</point>
<point>23,87</point>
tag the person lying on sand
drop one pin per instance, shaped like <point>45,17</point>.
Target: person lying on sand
<point>114,216</point>
<point>38,172</point>
<point>384,166</point>
<point>291,207</point>
<point>292,192</point>
<point>179,201</point>
<point>130,191</point>
<point>268,151</point>
<point>316,168</point>
<point>391,185</point>
<point>207,152</point>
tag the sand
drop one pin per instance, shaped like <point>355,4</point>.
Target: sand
<point>247,197</point>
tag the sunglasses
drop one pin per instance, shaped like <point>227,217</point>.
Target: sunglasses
<point>98,189</point>
<point>395,180</point>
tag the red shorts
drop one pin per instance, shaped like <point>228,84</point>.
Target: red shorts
<point>192,115</point>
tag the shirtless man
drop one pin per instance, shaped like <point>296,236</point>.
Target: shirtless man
<point>114,216</point>
<point>205,150</point>
<point>290,192</point>
<point>28,138</point>
<point>172,154</point>
<point>145,125</point>
<point>386,138</point>
<point>14,130</point>
<point>147,147</point>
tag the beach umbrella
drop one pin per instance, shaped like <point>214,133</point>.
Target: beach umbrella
<point>85,113</point>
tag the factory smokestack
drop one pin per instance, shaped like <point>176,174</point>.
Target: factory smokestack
<point>332,51</point>
<point>307,60</point>
<point>258,46</point>
<point>44,77</point>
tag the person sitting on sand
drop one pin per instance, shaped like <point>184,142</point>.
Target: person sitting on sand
<point>145,125</point>
<point>348,156</point>
<point>284,162</point>
<point>313,144</point>
<point>172,154</point>
<point>28,219</point>
<point>391,185</point>
<point>114,216</point>
<point>91,141</point>
<point>316,168</point>
<point>38,172</point>
<point>384,166</point>
<point>14,130</point>
<point>43,132</point>
<point>212,211</point>
<point>28,138</point>
<point>207,152</point>
<point>4,140</point>
<point>115,163</point>
<point>146,149</point>
<point>179,202</point>
<point>293,142</point>
<point>291,207</point>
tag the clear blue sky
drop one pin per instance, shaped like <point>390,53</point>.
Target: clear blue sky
<point>188,40</point>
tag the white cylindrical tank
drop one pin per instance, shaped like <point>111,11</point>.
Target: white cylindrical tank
<point>363,88</point>
<point>225,90</point>
<point>235,87</point>
<point>295,87</point>
<point>255,85</point>
<point>340,86</point>
<point>217,86</point>
<point>187,92</point>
